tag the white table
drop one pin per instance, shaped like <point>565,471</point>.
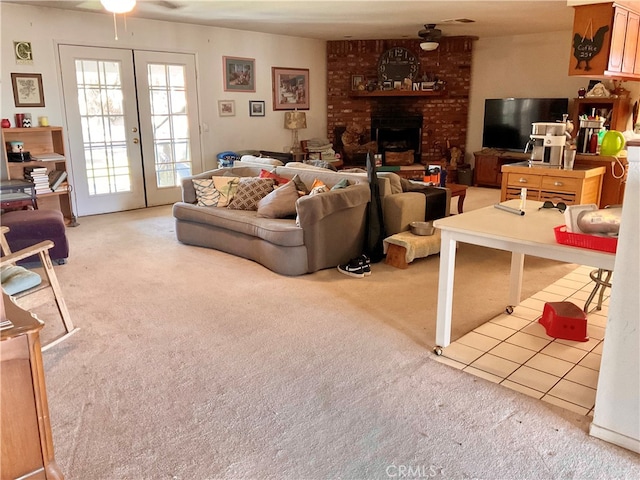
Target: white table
<point>530,234</point>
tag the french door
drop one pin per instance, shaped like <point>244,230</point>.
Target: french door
<point>133,126</point>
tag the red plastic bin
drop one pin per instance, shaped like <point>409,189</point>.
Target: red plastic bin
<point>593,242</point>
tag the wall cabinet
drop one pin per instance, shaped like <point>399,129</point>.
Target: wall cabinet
<point>577,186</point>
<point>488,166</point>
<point>605,41</point>
<point>47,143</point>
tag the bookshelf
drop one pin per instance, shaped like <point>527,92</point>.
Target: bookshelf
<point>46,144</point>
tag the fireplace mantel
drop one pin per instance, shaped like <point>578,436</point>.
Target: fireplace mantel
<point>398,93</point>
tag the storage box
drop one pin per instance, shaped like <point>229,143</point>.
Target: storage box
<point>564,320</point>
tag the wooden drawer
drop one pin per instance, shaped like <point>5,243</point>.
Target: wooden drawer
<point>523,180</point>
<point>561,184</point>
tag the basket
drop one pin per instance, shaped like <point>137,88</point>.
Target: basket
<point>593,242</point>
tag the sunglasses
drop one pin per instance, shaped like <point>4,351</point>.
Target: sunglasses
<point>560,206</point>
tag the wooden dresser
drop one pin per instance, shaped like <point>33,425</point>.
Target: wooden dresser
<point>578,186</point>
<point>26,441</point>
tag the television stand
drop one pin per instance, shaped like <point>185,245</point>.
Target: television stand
<point>488,165</point>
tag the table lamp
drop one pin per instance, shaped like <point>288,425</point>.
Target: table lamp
<point>294,121</point>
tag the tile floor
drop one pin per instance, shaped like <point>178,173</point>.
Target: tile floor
<point>515,351</point>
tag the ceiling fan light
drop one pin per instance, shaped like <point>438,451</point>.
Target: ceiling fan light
<point>429,46</point>
<point>118,6</point>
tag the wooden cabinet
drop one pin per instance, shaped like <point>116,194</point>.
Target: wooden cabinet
<point>615,110</point>
<point>44,142</point>
<point>26,440</point>
<point>605,41</point>
<point>577,186</point>
<point>488,166</point>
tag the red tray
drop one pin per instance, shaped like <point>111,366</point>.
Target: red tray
<point>593,242</point>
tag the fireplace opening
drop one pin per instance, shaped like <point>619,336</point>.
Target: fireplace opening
<point>397,133</point>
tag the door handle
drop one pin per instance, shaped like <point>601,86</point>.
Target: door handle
<point>135,140</point>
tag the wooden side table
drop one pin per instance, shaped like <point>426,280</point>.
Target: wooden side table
<point>25,430</point>
<point>459,191</point>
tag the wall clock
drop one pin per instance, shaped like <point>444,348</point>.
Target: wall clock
<point>396,64</point>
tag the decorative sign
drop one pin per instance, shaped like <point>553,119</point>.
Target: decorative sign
<point>584,49</point>
<point>23,52</point>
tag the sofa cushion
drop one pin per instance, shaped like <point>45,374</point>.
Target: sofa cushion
<point>279,231</point>
<point>300,185</point>
<point>226,187</point>
<point>277,178</point>
<point>250,191</point>
<point>280,203</point>
<point>206,193</point>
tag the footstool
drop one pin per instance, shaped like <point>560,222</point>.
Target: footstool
<point>28,227</point>
<point>564,320</point>
<point>404,247</point>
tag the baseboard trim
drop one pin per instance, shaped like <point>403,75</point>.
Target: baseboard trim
<point>616,438</point>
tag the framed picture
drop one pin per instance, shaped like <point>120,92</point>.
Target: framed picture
<point>256,108</point>
<point>27,89</point>
<point>290,88</point>
<point>239,74</point>
<point>356,81</point>
<point>227,108</point>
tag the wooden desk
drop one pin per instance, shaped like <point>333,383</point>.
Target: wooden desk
<point>530,234</point>
<point>26,440</point>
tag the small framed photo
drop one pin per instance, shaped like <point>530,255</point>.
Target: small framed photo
<point>27,89</point>
<point>397,85</point>
<point>239,74</point>
<point>256,108</point>
<point>387,85</point>
<point>290,88</point>
<point>356,81</point>
<point>227,108</point>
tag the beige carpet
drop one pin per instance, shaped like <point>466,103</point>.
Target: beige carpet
<point>193,364</point>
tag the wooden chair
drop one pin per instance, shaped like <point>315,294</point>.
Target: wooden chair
<point>37,294</point>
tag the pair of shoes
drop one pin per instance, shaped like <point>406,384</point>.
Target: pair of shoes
<point>357,267</point>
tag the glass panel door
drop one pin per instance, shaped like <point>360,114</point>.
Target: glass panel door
<point>106,160</point>
<point>169,122</point>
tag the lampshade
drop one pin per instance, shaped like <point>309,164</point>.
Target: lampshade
<point>429,46</point>
<point>118,6</point>
<point>295,120</point>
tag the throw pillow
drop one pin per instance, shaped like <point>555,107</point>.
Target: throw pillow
<point>206,193</point>
<point>318,187</point>
<point>278,179</point>
<point>250,191</point>
<point>300,185</point>
<point>227,187</point>
<point>280,203</point>
<point>344,183</point>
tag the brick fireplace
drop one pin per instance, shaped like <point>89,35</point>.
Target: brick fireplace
<point>443,115</point>
<point>397,132</point>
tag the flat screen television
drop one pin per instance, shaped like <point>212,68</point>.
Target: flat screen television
<point>507,121</point>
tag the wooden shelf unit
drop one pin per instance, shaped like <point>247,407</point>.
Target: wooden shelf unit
<point>38,141</point>
<point>620,109</point>
<point>487,171</point>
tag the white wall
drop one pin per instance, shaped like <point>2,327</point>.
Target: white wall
<point>522,66</point>
<point>46,27</point>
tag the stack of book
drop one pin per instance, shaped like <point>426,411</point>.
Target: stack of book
<point>39,177</point>
<point>56,177</point>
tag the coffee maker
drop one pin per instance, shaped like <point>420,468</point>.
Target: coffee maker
<point>547,141</point>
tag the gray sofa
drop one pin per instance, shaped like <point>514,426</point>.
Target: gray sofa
<point>331,225</point>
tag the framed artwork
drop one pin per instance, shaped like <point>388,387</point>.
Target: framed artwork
<point>256,108</point>
<point>239,74</point>
<point>27,89</point>
<point>356,81</point>
<point>290,88</point>
<point>227,108</point>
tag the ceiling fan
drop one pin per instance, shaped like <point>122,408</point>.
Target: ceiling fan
<point>430,37</point>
